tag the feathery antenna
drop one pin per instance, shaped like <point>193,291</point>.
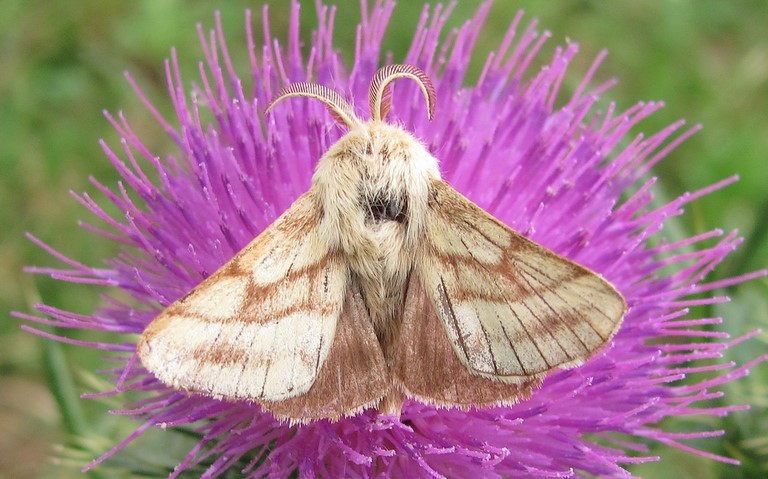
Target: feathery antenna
<point>338,107</point>
<point>380,95</point>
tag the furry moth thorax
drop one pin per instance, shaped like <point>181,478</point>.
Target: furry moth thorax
<point>376,178</point>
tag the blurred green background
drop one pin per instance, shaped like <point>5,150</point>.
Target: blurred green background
<point>61,63</point>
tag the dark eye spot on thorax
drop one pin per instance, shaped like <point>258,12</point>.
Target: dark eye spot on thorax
<point>380,209</point>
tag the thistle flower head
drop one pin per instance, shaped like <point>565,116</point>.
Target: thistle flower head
<point>552,167</point>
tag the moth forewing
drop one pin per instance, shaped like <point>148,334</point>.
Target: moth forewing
<point>247,332</point>
<point>511,308</point>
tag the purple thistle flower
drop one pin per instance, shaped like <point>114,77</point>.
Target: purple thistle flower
<point>552,168</point>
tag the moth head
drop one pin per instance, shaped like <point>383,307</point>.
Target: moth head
<point>377,168</point>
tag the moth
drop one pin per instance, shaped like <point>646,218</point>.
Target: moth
<point>380,283</point>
